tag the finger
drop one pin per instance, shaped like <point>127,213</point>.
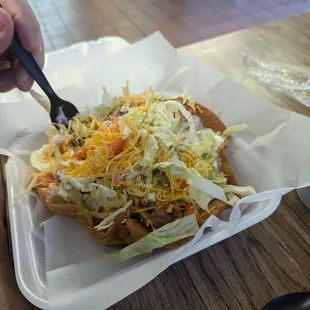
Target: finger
<point>28,30</point>
<point>7,76</point>
<point>23,80</point>
<point>7,80</point>
<point>6,30</point>
<point>26,24</point>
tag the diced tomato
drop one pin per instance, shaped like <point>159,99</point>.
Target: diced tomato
<point>192,209</point>
<point>45,180</point>
<point>183,184</point>
<point>80,154</point>
<point>69,153</point>
<point>117,178</point>
<point>118,145</point>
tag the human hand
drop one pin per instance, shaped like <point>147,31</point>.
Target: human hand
<point>18,14</point>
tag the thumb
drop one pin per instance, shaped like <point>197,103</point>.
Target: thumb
<point>6,30</point>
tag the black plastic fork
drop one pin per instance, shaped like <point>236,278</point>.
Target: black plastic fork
<point>61,111</point>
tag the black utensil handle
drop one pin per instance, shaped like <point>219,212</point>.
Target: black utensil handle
<point>31,66</point>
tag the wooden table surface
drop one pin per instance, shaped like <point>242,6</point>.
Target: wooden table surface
<point>271,258</point>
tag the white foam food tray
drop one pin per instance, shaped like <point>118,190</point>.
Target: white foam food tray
<point>28,240</point>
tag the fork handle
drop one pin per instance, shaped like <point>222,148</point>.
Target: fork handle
<point>31,66</point>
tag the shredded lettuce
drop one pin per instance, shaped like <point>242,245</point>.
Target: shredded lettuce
<point>96,199</point>
<point>196,180</point>
<point>124,128</point>
<point>151,149</point>
<point>219,179</point>
<point>134,117</point>
<point>81,130</point>
<point>125,107</point>
<point>166,139</point>
<point>170,208</point>
<point>109,220</point>
<point>158,118</point>
<point>197,121</point>
<point>58,138</point>
<point>240,190</point>
<point>201,198</point>
<point>90,195</point>
<point>172,232</point>
<point>86,185</point>
<point>106,101</point>
<point>219,140</point>
<point>232,199</point>
<point>193,178</point>
<point>234,129</point>
<point>175,105</point>
<point>205,144</point>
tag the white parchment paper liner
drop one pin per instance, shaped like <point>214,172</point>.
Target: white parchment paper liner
<point>272,157</point>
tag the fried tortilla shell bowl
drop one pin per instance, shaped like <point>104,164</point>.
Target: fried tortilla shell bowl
<point>116,235</point>
<point>211,120</point>
<point>215,208</point>
<point>126,231</point>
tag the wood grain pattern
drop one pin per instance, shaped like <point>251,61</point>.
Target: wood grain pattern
<point>284,41</point>
<point>243,272</point>
<point>271,258</point>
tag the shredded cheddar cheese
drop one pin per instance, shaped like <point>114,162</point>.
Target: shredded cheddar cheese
<point>142,150</point>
